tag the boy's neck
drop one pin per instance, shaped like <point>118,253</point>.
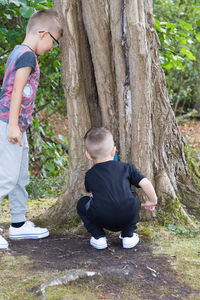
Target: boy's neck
<point>100,160</point>
<point>30,42</point>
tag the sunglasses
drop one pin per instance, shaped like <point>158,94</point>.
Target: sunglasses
<point>50,36</point>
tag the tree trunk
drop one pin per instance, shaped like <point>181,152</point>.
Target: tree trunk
<point>112,77</point>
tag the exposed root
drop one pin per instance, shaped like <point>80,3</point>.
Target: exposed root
<point>71,275</point>
<point>188,219</point>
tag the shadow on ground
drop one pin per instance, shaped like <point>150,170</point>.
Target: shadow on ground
<point>152,276</point>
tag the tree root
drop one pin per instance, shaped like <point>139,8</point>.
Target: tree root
<point>71,275</point>
<point>188,219</point>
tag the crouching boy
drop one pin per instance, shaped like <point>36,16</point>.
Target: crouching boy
<point>112,204</point>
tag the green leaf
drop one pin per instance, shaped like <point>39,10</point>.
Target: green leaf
<point>43,158</point>
<point>4,30</point>
<point>191,233</point>
<point>62,138</point>
<point>9,17</point>
<point>171,227</point>
<point>198,23</point>
<point>23,2</point>
<point>36,124</point>
<point>170,26</point>
<point>188,53</point>
<point>157,25</point>
<point>185,26</point>
<point>16,2</point>
<point>198,37</point>
<point>39,1</point>
<point>26,11</point>
<point>182,40</point>
<point>50,167</point>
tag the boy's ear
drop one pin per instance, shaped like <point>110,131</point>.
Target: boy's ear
<point>113,151</point>
<point>43,33</point>
<point>88,155</point>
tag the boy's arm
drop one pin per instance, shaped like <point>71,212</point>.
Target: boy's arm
<point>21,77</point>
<point>86,184</point>
<point>148,188</point>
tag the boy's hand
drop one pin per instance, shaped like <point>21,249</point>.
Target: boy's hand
<point>148,188</point>
<point>148,205</point>
<point>15,135</point>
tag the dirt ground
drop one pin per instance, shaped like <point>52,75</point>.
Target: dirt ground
<point>191,131</point>
<point>150,276</point>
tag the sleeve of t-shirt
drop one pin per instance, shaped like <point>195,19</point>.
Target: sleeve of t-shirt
<point>26,60</point>
<point>87,183</point>
<point>135,175</point>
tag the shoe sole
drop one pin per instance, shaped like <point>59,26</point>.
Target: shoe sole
<point>2,247</point>
<point>104,246</point>
<point>28,236</point>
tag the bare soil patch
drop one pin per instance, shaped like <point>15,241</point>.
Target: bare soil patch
<point>151,276</point>
<point>191,131</point>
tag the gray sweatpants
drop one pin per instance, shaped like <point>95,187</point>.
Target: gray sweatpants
<point>14,174</point>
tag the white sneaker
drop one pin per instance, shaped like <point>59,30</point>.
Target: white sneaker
<point>130,242</point>
<point>27,231</point>
<point>100,243</point>
<point>3,243</point>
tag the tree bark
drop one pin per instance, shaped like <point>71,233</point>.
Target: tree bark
<point>112,77</point>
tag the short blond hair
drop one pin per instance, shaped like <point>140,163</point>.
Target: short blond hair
<point>99,142</point>
<point>46,19</point>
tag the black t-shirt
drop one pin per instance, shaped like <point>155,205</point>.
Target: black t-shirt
<point>110,184</point>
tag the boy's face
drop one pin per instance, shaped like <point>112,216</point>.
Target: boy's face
<point>46,42</point>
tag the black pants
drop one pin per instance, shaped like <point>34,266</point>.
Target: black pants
<point>96,230</point>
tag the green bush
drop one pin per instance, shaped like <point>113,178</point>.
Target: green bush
<point>178,27</point>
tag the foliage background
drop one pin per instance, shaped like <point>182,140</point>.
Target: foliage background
<point>178,27</point>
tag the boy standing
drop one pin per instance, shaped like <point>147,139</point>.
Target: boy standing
<point>16,107</point>
<point>112,204</point>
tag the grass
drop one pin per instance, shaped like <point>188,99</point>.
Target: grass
<point>15,273</point>
<point>92,289</point>
<point>35,207</point>
<point>183,253</point>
